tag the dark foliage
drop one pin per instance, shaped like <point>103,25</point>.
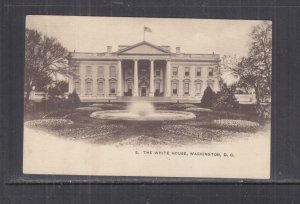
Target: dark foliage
<point>58,89</point>
<point>264,110</point>
<point>44,58</point>
<point>74,100</point>
<point>29,107</point>
<point>208,98</point>
<point>254,72</point>
<point>225,99</point>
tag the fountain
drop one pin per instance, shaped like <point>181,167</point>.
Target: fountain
<point>142,111</point>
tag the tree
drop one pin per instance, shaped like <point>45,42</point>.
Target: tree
<point>254,71</point>
<point>58,89</point>
<point>225,99</point>
<point>45,57</point>
<point>42,82</point>
<point>261,52</point>
<point>208,98</point>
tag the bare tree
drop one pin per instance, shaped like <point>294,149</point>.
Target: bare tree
<point>44,58</point>
<point>260,54</point>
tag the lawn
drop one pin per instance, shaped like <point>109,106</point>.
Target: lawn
<point>208,126</point>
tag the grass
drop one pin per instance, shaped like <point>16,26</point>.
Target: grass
<point>197,130</point>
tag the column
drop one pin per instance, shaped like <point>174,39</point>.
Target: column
<point>151,78</point>
<point>168,79</point>
<point>136,79</point>
<point>120,92</point>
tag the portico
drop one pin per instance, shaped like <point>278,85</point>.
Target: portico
<point>143,77</point>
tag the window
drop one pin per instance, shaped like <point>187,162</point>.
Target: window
<point>210,71</point>
<point>198,71</point>
<point>157,88</point>
<point>113,71</point>
<point>186,88</point>
<point>175,71</point>
<point>100,71</point>
<point>129,89</point>
<point>112,87</point>
<point>129,85</point>
<point>174,88</point>
<point>88,71</point>
<point>187,71</point>
<point>77,85</point>
<point>198,87</point>
<point>157,72</point>
<point>100,87</point>
<point>88,86</point>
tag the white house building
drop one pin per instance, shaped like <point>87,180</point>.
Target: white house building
<point>144,71</point>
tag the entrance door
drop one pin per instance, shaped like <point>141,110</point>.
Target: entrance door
<point>129,93</point>
<point>143,91</point>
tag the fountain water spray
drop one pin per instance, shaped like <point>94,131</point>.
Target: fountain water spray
<point>142,111</point>
<point>141,108</point>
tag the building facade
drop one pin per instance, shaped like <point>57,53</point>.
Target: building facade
<point>144,71</point>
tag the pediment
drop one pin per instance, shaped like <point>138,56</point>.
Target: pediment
<point>143,48</point>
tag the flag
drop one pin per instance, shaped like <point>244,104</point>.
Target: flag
<point>147,29</point>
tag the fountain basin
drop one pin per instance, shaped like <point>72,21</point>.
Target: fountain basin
<point>158,115</point>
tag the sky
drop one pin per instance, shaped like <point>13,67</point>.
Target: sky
<point>199,36</point>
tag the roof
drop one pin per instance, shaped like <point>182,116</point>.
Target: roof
<point>140,44</point>
<point>145,48</point>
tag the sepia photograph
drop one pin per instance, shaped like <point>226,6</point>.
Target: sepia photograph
<point>150,97</point>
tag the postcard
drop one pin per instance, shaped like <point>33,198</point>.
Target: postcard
<point>159,97</point>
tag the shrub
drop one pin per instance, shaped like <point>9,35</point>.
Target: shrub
<point>208,98</point>
<point>240,125</point>
<point>264,111</point>
<point>225,99</point>
<point>52,104</point>
<point>74,100</point>
<point>29,106</point>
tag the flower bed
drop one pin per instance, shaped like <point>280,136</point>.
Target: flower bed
<point>99,131</point>
<point>240,125</point>
<point>198,109</point>
<point>107,106</point>
<point>57,114</point>
<point>197,133</point>
<point>88,109</point>
<point>48,123</point>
